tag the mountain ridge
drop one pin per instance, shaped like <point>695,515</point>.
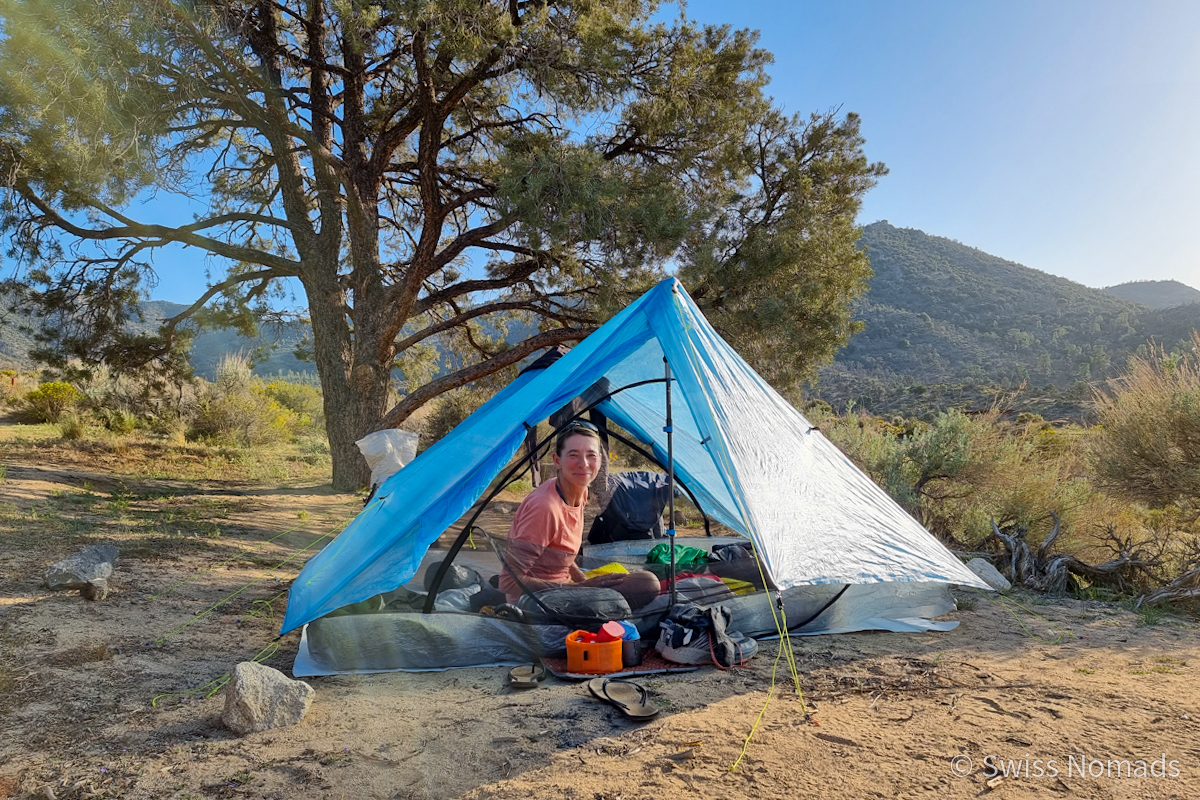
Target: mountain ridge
<point>941,313</point>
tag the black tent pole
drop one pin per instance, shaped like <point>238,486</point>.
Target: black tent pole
<point>670,430</point>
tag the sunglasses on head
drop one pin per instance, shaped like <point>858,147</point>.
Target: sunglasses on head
<point>576,425</point>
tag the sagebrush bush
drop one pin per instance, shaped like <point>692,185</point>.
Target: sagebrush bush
<point>1147,445</point>
<point>51,400</point>
<point>236,410</point>
<point>960,472</point>
<point>138,395</point>
<point>450,410</point>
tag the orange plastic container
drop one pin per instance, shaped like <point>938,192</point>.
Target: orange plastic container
<point>592,658</point>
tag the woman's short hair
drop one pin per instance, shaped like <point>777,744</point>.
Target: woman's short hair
<point>577,427</point>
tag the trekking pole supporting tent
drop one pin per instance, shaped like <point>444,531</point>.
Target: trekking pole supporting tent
<point>670,430</point>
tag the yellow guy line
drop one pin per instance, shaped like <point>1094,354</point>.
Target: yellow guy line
<point>239,555</point>
<point>222,602</point>
<point>215,685</point>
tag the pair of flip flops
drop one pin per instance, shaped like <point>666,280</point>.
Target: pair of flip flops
<point>526,676</point>
<point>630,698</point>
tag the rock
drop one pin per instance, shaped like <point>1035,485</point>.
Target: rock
<point>259,698</point>
<point>93,564</point>
<point>96,589</point>
<point>989,575</point>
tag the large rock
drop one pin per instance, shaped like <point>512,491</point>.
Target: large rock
<point>87,571</point>
<point>989,574</point>
<point>259,698</point>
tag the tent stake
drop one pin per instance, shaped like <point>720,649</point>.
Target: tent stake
<point>670,431</point>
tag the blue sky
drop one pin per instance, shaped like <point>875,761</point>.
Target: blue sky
<point>1063,135</point>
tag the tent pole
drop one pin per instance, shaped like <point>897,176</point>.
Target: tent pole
<point>670,430</point>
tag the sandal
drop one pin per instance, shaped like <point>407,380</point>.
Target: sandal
<point>630,698</point>
<point>526,676</point>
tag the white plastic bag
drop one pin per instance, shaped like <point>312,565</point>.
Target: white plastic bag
<point>387,451</point>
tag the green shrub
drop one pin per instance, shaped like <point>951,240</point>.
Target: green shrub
<point>51,400</point>
<point>236,410</point>
<point>451,409</point>
<point>1147,445</point>
<point>303,399</point>
<point>960,471</point>
<point>118,421</point>
<point>71,427</point>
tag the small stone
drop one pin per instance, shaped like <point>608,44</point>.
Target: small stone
<point>989,575</point>
<point>259,698</point>
<point>96,589</point>
<point>94,563</point>
<point>47,793</point>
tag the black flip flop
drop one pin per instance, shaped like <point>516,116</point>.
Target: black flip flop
<point>526,676</point>
<point>630,698</point>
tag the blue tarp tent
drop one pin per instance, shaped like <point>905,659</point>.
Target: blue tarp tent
<point>753,461</point>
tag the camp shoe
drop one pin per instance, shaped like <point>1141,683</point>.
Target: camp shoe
<point>630,698</point>
<point>526,676</point>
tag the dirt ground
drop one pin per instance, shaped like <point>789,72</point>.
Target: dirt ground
<point>109,699</point>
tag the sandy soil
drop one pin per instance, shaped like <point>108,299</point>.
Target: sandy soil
<point>107,699</point>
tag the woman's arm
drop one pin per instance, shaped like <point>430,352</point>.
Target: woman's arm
<point>520,556</point>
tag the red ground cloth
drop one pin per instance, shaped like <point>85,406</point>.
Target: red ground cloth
<point>652,664</point>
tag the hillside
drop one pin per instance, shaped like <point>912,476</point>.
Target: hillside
<point>1156,294</point>
<point>947,323</point>
<point>273,350</point>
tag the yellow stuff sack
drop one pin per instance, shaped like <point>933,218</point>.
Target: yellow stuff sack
<point>607,569</point>
<point>739,587</point>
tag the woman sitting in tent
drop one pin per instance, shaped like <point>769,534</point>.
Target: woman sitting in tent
<point>547,530</point>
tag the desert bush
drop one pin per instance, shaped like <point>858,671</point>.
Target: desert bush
<point>959,472</point>
<point>1147,445</point>
<point>70,426</point>
<point>144,394</point>
<point>236,410</point>
<point>118,420</point>
<point>304,399</point>
<point>451,409</point>
<point>51,400</point>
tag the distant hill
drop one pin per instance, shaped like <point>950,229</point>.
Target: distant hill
<point>273,350</point>
<point>1156,294</point>
<point>947,323</point>
<point>14,341</point>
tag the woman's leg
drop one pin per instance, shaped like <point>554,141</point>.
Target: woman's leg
<point>638,588</point>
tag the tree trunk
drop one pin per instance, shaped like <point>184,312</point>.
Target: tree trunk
<point>355,395</point>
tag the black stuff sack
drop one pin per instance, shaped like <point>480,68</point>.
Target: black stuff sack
<point>693,634</point>
<point>581,607</point>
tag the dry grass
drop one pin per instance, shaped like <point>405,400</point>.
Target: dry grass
<point>142,455</point>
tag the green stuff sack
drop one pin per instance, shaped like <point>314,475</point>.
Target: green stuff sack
<point>685,557</point>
